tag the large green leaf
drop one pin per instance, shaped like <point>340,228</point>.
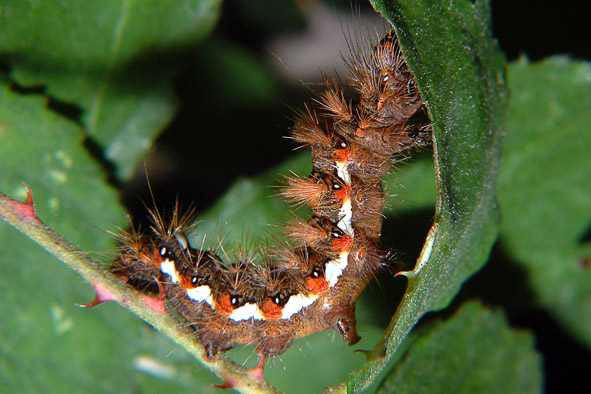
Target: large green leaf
<point>460,73</point>
<point>112,59</point>
<point>46,151</point>
<point>545,186</point>
<point>47,344</point>
<point>103,59</point>
<point>473,352</point>
<point>40,325</point>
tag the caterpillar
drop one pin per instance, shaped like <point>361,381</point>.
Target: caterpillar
<point>314,284</point>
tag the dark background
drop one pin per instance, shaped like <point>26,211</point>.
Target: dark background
<point>201,165</point>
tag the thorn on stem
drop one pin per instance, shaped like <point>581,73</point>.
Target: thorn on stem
<point>26,209</point>
<point>258,372</point>
<point>92,303</point>
<point>156,303</point>
<point>228,384</point>
<point>29,200</point>
<point>101,295</point>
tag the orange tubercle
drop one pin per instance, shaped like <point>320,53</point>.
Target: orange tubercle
<point>343,193</point>
<point>271,310</point>
<point>342,244</point>
<point>317,285</point>
<point>343,154</point>
<point>223,304</point>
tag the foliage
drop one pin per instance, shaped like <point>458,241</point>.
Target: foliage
<point>89,88</point>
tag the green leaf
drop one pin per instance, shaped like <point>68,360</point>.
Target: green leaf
<point>250,207</point>
<point>40,325</point>
<point>47,343</point>
<point>46,151</point>
<point>475,351</point>
<point>412,186</point>
<point>460,74</point>
<point>114,60</point>
<point>233,76</point>
<point>545,186</point>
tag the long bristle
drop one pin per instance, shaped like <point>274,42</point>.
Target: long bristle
<point>309,131</point>
<point>335,104</point>
<point>292,258</point>
<point>307,234</point>
<point>300,190</point>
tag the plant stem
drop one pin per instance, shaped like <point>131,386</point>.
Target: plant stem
<point>21,215</point>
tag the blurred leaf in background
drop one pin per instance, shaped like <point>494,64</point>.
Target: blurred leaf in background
<point>113,61</point>
<point>475,351</point>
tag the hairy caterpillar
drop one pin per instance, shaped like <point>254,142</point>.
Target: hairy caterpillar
<point>315,284</point>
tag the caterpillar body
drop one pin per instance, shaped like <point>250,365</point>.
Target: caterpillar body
<point>315,284</point>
